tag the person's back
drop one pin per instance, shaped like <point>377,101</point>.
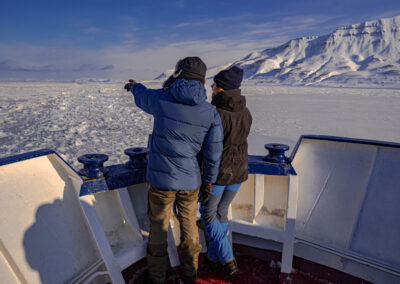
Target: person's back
<point>182,120</point>
<point>187,130</point>
<point>236,121</point>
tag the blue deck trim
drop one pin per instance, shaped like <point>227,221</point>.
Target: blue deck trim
<point>257,165</point>
<point>120,176</point>
<point>31,155</point>
<point>25,156</point>
<point>117,176</point>
<point>341,139</point>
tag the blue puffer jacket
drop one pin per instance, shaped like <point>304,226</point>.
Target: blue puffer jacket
<point>187,129</point>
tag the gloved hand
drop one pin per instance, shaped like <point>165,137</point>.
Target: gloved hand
<point>128,86</point>
<point>205,192</point>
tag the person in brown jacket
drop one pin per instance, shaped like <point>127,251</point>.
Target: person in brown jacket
<point>236,122</point>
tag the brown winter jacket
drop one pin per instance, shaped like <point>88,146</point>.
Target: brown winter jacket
<point>236,122</point>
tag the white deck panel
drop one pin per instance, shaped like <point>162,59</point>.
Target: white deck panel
<point>44,238</point>
<point>348,200</point>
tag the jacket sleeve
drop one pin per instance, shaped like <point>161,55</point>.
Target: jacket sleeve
<point>213,147</point>
<point>146,99</point>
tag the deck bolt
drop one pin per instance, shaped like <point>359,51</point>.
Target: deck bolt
<point>276,152</point>
<point>137,156</point>
<point>92,165</point>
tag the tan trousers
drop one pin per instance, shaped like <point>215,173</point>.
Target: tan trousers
<point>159,207</point>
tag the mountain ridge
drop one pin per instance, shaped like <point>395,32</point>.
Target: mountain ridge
<point>365,54</point>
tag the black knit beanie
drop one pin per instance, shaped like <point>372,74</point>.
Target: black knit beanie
<point>229,79</point>
<point>188,68</point>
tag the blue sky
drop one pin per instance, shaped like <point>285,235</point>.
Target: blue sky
<point>65,40</point>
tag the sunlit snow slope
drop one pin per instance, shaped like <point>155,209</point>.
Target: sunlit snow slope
<point>366,54</point>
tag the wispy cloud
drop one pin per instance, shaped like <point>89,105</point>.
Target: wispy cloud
<point>128,42</point>
<point>293,26</point>
<point>93,30</point>
<point>127,35</point>
<point>128,39</point>
<point>182,25</point>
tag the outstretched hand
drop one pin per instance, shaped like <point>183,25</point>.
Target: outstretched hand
<point>128,86</point>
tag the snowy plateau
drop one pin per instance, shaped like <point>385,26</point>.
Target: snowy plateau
<point>76,119</point>
<point>343,84</point>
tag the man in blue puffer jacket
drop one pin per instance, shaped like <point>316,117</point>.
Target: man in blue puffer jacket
<point>187,133</point>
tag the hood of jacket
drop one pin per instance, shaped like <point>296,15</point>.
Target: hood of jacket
<point>190,92</point>
<point>230,100</point>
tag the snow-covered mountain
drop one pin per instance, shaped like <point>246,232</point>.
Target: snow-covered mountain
<point>366,54</point>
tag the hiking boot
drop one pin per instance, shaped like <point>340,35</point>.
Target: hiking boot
<point>147,280</point>
<point>215,266</point>
<point>189,279</point>
<point>231,267</point>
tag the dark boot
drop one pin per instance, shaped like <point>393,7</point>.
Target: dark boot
<point>157,267</point>
<point>231,267</point>
<point>147,280</point>
<point>189,279</point>
<point>215,266</point>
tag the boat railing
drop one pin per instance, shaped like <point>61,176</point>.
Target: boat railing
<point>320,204</point>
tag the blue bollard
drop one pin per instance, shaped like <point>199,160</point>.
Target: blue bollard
<point>276,153</point>
<point>92,165</point>
<point>137,156</point>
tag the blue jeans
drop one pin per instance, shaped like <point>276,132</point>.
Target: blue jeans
<point>214,214</point>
